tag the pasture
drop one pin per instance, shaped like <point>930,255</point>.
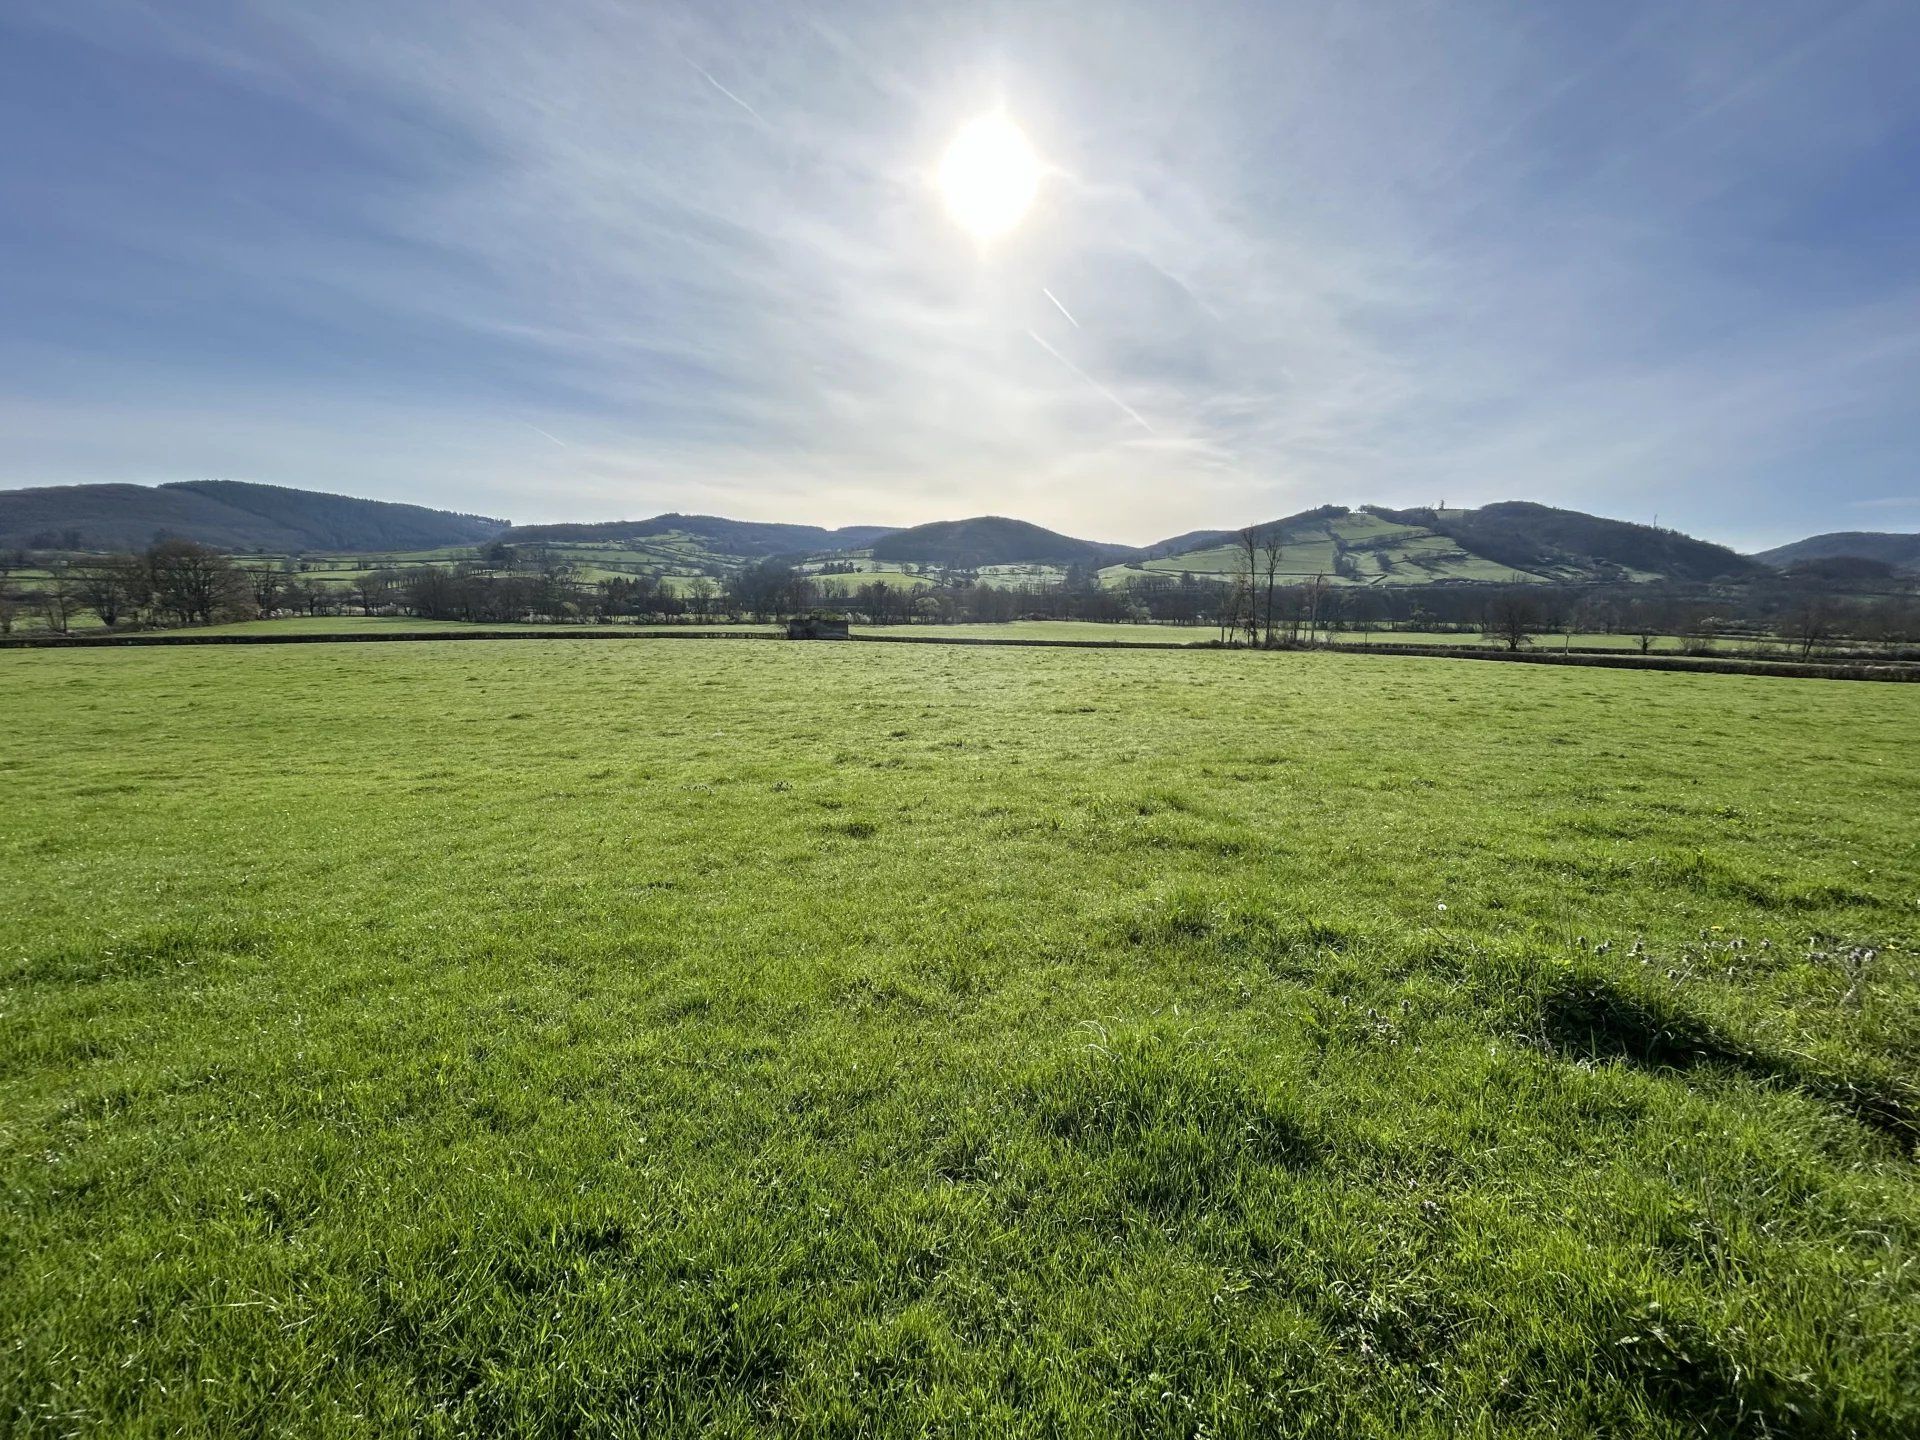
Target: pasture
<point>546,1039</point>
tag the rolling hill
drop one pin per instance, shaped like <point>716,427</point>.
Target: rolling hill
<point>748,539</point>
<point>987,540</point>
<point>1900,551</point>
<point>1512,542</point>
<point>230,514</point>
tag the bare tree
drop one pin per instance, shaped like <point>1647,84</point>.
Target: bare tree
<point>1573,614</point>
<point>269,585</point>
<point>1271,547</point>
<point>1809,623</point>
<point>9,599</point>
<point>1511,618</point>
<point>1316,598</point>
<point>59,597</point>
<point>1646,622</point>
<point>113,588</point>
<point>1236,609</point>
<point>374,590</point>
<point>194,583</point>
<point>702,592</point>
<point>1249,559</point>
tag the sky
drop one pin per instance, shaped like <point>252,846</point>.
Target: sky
<point>585,260</point>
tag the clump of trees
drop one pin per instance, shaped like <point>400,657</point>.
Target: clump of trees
<point>170,582</point>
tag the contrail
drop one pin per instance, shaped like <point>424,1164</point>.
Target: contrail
<point>1130,412</point>
<point>1061,308</point>
<point>731,96</point>
<point>555,438</point>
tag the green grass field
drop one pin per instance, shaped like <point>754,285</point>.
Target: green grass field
<point>1054,630</point>
<point>407,625</point>
<point>547,1039</point>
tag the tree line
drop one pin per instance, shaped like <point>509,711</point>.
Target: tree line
<point>179,582</point>
<point>171,582</point>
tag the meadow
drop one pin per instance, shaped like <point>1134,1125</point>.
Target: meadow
<point>553,1039</point>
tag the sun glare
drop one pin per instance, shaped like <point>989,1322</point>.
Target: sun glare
<point>989,176</point>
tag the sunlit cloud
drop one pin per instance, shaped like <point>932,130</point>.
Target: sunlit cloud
<point>588,260</point>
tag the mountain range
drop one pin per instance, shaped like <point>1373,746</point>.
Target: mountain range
<point>1510,541</point>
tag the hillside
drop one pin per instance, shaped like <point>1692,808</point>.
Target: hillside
<point>1191,541</point>
<point>1902,551</point>
<point>992,540</point>
<point>230,514</point>
<point>745,538</point>
<point>1547,540</point>
<point>1504,543</point>
<point>1509,542</point>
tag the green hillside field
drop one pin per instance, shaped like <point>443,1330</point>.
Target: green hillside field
<point>1353,549</point>
<point>552,1039</point>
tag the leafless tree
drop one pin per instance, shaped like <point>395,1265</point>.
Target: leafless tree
<point>1247,579</point>
<point>269,584</point>
<point>702,592</point>
<point>194,583</point>
<point>1271,546</point>
<point>1809,622</point>
<point>59,597</point>
<point>1511,618</point>
<point>1573,615</point>
<point>113,588</point>
<point>374,590</point>
<point>1316,599</point>
<point>1646,622</point>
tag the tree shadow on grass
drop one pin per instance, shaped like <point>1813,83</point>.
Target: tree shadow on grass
<point>1693,1376</point>
<point>1595,1018</point>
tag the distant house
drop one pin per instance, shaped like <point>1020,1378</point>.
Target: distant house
<point>817,627</point>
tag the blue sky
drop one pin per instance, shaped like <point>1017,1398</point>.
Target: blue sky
<point>586,260</point>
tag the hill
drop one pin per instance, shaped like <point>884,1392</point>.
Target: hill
<point>745,538</point>
<point>1544,539</point>
<point>231,514</point>
<point>993,540</point>
<point>1902,551</point>
<point>1508,542</point>
<point>1503,543</point>
<point>1189,542</point>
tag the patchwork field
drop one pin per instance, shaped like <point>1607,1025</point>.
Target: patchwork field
<point>552,1039</point>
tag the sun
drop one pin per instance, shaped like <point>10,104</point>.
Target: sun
<point>989,176</point>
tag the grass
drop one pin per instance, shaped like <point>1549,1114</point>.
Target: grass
<point>1054,630</point>
<point>1109,632</point>
<point>552,1039</point>
<point>843,586</point>
<point>1546,640</point>
<point>407,625</point>
<point>1373,548</point>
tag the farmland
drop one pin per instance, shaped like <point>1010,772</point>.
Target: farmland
<point>539,1038</point>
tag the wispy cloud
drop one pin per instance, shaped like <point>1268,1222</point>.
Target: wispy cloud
<point>730,95</point>
<point>1364,253</point>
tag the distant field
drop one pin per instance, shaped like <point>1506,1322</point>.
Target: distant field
<point>1109,632</point>
<point>554,1039</point>
<point>1053,630</point>
<point>1354,549</point>
<point>844,585</point>
<point>1551,640</point>
<point>355,624</point>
